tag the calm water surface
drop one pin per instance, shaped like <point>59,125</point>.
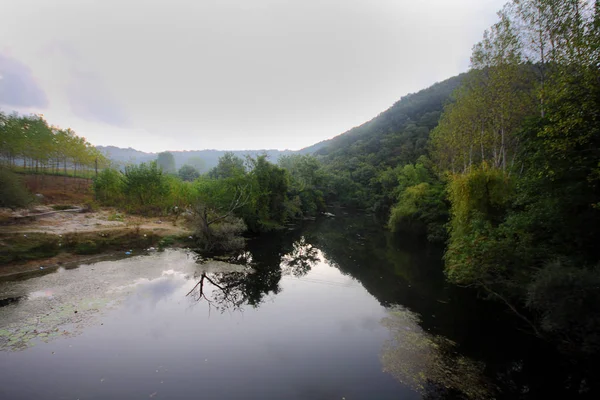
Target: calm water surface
<point>336,309</point>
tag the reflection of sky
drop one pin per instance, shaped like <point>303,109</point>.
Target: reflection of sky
<point>319,338</point>
<point>150,292</point>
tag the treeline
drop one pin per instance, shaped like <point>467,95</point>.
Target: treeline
<point>237,195</point>
<point>516,157</point>
<point>28,142</point>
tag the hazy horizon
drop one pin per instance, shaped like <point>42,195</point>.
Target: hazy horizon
<point>231,74</point>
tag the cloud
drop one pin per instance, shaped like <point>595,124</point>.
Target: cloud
<point>18,87</point>
<point>235,74</point>
<point>90,100</point>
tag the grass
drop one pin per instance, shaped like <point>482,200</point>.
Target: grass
<point>59,189</point>
<point>20,248</point>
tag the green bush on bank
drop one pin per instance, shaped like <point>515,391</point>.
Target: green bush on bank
<point>13,193</point>
<point>143,189</point>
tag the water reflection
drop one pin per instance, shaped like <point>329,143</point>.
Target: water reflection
<point>429,364</point>
<point>318,324</point>
<point>301,259</point>
<point>226,292</point>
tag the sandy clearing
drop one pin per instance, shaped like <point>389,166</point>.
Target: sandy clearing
<point>70,222</point>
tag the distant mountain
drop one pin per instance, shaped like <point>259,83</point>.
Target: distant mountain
<point>209,158</point>
<point>396,136</point>
<point>126,156</point>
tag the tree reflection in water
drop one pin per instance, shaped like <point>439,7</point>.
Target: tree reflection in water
<point>429,364</point>
<point>223,295</point>
<point>246,278</point>
<point>301,259</point>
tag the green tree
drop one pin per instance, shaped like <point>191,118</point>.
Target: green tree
<point>166,161</point>
<point>188,173</point>
<point>525,212</point>
<point>146,188</point>
<point>269,197</point>
<point>229,166</point>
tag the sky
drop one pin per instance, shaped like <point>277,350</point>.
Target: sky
<point>227,74</point>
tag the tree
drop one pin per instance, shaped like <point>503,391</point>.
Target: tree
<point>525,210</point>
<point>218,228</point>
<point>146,188</point>
<point>229,166</point>
<point>307,180</point>
<point>198,163</point>
<point>188,173</point>
<point>166,161</point>
<point>270,188</point>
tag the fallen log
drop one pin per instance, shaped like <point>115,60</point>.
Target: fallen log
<point>34,216</point>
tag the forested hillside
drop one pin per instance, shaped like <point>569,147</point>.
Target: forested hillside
<point>396,136</point>
<point>366,161</point>
<point>503,165</point>
<point>516,157</point>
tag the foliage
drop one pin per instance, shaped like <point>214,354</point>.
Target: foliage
<point>420,203</point>
<point>166,162</point>
<point>229,166</point>
<point>188,173</point>
<point>146,188</point>
<point>307,183</point>
<point>35,246</point>
<point>269,185</point>
<point>143,189</point>
<point>28,141</point>
<point>521,149</point>
<point>567,298</point>
<point>109,186</point>
<point>359,166</point>
<point>222,237</point>
<point>13,192</point>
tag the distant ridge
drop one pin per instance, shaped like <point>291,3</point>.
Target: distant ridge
<point>129,155</point>
<point>397,135</point>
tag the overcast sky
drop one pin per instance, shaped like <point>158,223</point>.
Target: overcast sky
<point>227,74</point>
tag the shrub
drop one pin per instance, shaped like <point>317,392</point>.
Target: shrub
<point>146,189</point>
<point>224,236</point>
<point>188,173</point>
<point>13,192</point>
<point>567,300</point>
<point>108,187</point>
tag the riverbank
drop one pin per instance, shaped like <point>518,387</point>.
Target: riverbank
<point>39,239</point>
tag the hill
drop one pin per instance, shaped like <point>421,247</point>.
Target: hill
<point>204,160</point>
<point>396,136</point>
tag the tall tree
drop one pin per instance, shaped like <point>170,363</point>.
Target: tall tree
<point>166,161</point>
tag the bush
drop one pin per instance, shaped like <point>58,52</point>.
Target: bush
<point>108,187</point>
<point>222,237</point>
<point>13,192</point>
<point>477,250</point>
<point>567,300</point>
<point>146,189</point>
<point>188,173</point>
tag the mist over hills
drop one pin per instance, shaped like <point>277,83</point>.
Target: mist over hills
<point>396,135</point>
<point>210,158</point>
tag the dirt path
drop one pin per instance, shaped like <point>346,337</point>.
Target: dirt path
<point>71,222</point>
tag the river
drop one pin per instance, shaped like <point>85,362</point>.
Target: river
<point>334,309</point>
